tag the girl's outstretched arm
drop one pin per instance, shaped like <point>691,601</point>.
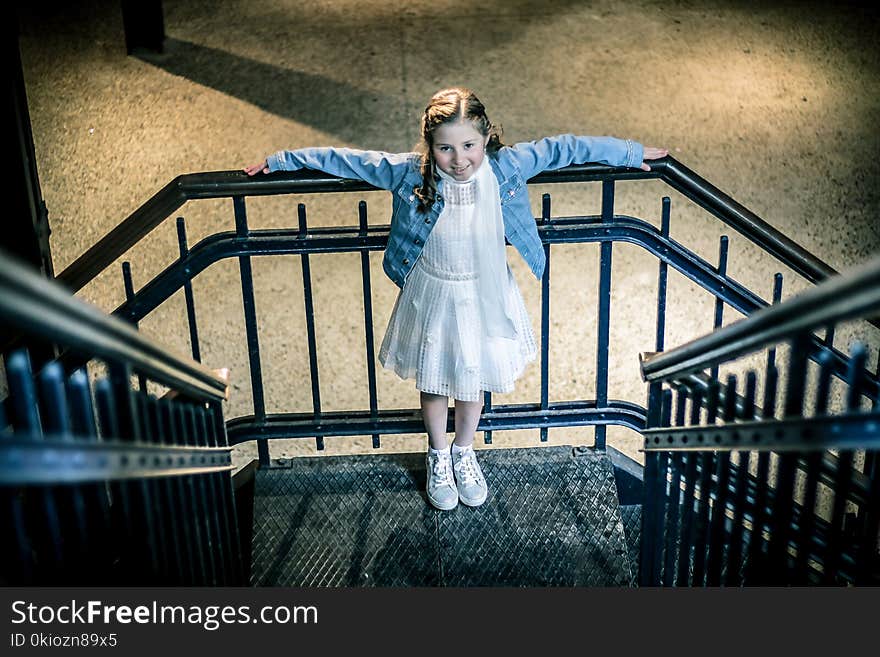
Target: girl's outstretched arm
<point>378,168</point>
<point>556,152</point>
<point>652,153</point>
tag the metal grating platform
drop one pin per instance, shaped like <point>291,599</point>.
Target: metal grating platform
<point>552,519</point>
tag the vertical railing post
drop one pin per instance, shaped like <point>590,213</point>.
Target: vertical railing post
<point>707,466</point>
<point>781,519</point>
<point>868,552</point>
<point>188,292</point>
<point>868,558</point>
<point>545,320</point>
<point>735,551</point>
<point>146,553</point>
<point>219,481</point>
<point>688,535</point>
<point>777,296</point>
<point>487,408</point>
<point>673,511</point>
<point>161,506</point>
<point>756,562</point>
<point>368,319</point>
<point>128,284</point>
<point>168,521</point>
<point>71,505</point>
<point>310,329</point>
<point>648,567</point>
<point>662,279</point>
<point>218,429</point>
<point>250,322</point>
<point>100,539</point>
<point>185,492</point>
<point>719,302</point>
<point>661,493</point>
<point>843,476</point>
<point>216,539</point>
<point>717,530</point>
<point>604,310</point>
<point>39,512</point>
<point>807,519</point>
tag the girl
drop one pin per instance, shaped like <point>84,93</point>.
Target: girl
<point>459,326</point>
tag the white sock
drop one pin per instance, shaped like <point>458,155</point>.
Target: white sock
<point>436,452</point>
<point>457,450</point>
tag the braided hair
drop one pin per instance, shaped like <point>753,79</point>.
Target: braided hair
<point>447,106</point>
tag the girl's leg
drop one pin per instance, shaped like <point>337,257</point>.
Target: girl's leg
<point>435,409</point>
<point>467,417</point>
<point>469,477</point>
<point>440,486</point>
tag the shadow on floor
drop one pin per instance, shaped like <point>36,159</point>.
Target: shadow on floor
<point>330,106</point>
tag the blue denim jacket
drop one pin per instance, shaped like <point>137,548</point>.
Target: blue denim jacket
<point>513,166</point>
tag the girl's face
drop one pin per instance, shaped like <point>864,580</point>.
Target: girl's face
<point>459,149</point>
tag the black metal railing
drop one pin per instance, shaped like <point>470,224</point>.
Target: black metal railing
<point>740,492</point>
<point>229,184</point>
<point>132,428</point>
<point>304,241</point>
<point>113,473</point>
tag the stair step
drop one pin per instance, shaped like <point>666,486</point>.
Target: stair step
<point>552,519</point>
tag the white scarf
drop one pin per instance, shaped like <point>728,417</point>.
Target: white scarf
<point>491,255</point>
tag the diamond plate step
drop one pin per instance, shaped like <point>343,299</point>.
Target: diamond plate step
<point>552,519</point>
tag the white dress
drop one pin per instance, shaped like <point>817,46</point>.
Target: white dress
<point>436,333</point>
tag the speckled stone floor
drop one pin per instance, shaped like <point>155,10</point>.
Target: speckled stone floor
<point>777,104</point>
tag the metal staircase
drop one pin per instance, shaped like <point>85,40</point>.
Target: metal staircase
<point>114,458</point>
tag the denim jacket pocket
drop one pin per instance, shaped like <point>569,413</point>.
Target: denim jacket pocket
<point>511,189</point>
<point>407,194</point>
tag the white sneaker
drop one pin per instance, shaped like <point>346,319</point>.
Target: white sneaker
<point>441,484</point>
<point>472,489</point>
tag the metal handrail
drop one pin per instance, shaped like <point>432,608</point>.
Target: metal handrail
<point>30,459</point>
<point>855,294</point>
<point>222,184</point>
<point>42,308</point>
<point>338,239</point>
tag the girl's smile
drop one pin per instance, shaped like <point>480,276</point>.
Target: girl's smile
<point>458,149</point>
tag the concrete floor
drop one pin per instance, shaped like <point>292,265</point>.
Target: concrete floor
<point>777,106</point>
